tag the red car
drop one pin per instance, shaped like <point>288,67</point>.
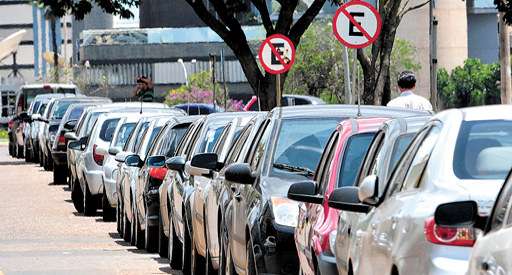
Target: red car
<point>339,166</point>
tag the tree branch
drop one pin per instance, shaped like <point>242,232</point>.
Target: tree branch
<point>363,60</point>
<point>405,10</point>
<point>261,5</point>
<point>305,20</point>
<point>210,20</point>
<point>285,19</point>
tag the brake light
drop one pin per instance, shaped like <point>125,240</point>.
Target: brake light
<point>158,173</point>
<point>456,236</point>
<point>98,158</point>
<point>61,140</point>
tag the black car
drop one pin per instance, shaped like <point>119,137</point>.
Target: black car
<point>260,220</point>
<point>151,176</point>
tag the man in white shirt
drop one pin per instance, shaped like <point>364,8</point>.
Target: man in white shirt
<point>407,99</point>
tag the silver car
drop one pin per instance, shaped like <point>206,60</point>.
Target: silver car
<point>461,154</point>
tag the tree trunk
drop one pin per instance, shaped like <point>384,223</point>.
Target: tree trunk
<point>505,83</point>
<point>55,50</point>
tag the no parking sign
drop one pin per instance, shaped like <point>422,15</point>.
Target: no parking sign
<point>277,54</point>
<point>357,24</point>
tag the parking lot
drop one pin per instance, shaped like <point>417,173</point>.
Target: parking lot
<point>41,233</point>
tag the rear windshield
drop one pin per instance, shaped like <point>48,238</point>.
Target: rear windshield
<point>483,150</point>
<point>108,128</point>
<point>355,151</point>
<point>299,138</point>
<point>124,133</point>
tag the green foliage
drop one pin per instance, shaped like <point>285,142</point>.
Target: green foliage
<point>472,84</point>
<point>80,8</point>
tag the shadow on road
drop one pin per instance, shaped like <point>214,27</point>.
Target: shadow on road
<point>115,235</point>
<point>19,162</point>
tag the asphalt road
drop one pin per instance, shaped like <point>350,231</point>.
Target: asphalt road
<point>41,233</point>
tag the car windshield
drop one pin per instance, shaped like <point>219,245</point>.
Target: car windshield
<point>61,109</point>
<point>483,150</point>
<point>300,144</point>
<point>76,112</point>
<point>123,134</point>
<point>401,144</point>
<point>353,156</point>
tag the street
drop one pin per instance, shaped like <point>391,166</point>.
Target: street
<point>42,234</point>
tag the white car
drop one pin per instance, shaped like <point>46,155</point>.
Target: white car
<point>460,154</point>
<point>492,251</point>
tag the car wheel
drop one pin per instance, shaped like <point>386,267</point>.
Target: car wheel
<point>41,161</point>
<point>186,259</point>
<point>250,268</point>
<point>197,263</point>
<point>119,218</point>
<point>20,152</point>
<point>163,241</point>
<point>127,229</point>
<point>174,248</point>
<point>59,175</point>
<point>109,212</point>
<point>89,203</point>
<point>150,235</point>
<point>139,234</point>
<point>77,196</point>
<point>27,155</point>
<point>46,163</point>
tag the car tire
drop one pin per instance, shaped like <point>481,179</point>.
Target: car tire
<point>186,259</point>
<point>90,204</point>
<point>27,154</point>
<point>127,229</point>
<point>174,248</point>
<point>250,269</point>
<point>109,212</point>
<point>119,218</point>
<point>138,232</point>
<point>59,175</point>
<point>77,196</point>
<point>46,163</point>
<point>150,236</point>
<point>197,262</point>
<point>41,161</point>
<point>163,241</point>
<point>20,154</point>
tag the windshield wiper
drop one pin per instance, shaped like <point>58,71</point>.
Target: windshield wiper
<point>295,169</point>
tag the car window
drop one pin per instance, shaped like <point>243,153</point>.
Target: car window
<point>212,135</point>
<point>401,144</point>
<point>61,109</point>
<point>35,106</point>
<point>76,112</point>
<point>108,128</point>
<point>483,150</point>
<point>372,158</point>
<point>140,134</point>
<point>151,140</point>
<point>90,123</point>
<point>217,148</point>
<point>42,109</point>
<point>122,135</point>
<point>186,140</point>
<point>501,204</point>
<point>260,147</point>
<point>194,139</point>
<point>301,137</point>
<point>238,144</point>
<point>353,155</point>
<point>173,138</point>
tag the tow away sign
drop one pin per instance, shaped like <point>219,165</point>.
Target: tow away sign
<point>357,24</point>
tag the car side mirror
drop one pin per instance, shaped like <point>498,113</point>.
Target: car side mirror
<point>133,161</point>
<point>70,136</point>
<point>368,190</point>
<point>176,163</point>
<point>114,151</point>
<point>456,214</point>
<point>305,191</point>
<point>206,160</point>
<point>239,173</point>
<point>156,161</point>
<point>70,125</point>
<point>75,145</point>
<point>347,198</point>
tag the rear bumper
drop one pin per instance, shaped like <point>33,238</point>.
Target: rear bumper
<point>111,192</point>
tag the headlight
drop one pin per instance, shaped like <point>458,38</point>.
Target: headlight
<point>332,241</point>
<point>286,212</point>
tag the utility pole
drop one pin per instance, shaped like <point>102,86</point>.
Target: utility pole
<point>505,83</point>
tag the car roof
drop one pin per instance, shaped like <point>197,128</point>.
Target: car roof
<point>313,99</point>
<point>342,111</point>
<point>48,96</point>
<point>489,112</point>
<point>52,85</point>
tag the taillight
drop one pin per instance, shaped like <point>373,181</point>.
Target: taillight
<point>158,172</point>
<point>61,140</point>
<point>98,158</point>
<point>456,236</point>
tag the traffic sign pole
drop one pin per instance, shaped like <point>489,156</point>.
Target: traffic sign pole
<point>279,96</point>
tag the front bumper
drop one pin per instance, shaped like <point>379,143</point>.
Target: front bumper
<point>60,158</point>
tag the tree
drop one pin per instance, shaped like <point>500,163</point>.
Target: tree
<point>376,64</point>
<point>473,84</point>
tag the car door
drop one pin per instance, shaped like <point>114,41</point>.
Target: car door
<point>241,194</point>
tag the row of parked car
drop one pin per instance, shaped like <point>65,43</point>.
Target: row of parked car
<point>325,189</point>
